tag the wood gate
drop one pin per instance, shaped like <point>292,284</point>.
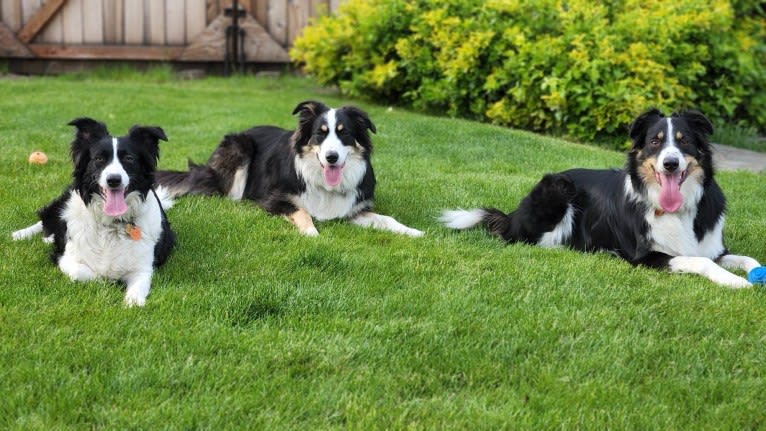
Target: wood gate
<point>150,30</point>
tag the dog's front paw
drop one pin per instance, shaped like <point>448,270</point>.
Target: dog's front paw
<point>312,231</point>
<point>133,299</point>
<point>414,232</point>
<point>737,283</point>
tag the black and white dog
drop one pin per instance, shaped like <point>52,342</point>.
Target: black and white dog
<point>110,222</point>
<point>321,170</point>
<point>663,210</point>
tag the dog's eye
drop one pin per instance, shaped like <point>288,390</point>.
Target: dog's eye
<point>129,159</point>
<point>99,159</point>
<point>654,142</point>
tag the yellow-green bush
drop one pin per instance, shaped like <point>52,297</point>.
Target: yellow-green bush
<point>579,68</point>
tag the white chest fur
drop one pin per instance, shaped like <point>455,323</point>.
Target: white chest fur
<point>103,245</point>
<point>324,202</point>
<point>673,234</point>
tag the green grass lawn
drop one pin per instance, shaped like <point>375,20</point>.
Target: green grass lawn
<point>250,325</point>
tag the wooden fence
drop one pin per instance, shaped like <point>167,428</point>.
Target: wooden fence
<point>166,30</point>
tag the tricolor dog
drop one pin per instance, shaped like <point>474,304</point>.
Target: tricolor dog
<point>663,210</point>
<point>321,170</point>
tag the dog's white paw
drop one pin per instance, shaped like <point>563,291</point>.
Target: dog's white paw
<point>414,232</point>
<point>134,300</point>
<point>312,231</point>
<point>736,282</point>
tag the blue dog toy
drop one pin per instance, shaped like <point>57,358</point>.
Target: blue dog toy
<point>757,275</point>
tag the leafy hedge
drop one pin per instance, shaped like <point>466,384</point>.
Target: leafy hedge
<point>578,67</point>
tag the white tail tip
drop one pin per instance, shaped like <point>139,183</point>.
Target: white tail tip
<point>462,219</point>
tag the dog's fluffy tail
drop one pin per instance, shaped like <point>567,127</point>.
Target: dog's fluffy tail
<point>497,222</point>
<point>198,180</point>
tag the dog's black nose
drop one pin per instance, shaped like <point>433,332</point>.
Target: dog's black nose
<point>113,180</point>
<point>331,157</point>
<point>670,164</point>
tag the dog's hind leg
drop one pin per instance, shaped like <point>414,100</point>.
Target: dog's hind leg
<point>383,222</point>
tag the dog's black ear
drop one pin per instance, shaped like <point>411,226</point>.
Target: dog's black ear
<point>310,109</point>
<point>642,123</point>
<point>308,112</point>
<point>360,117</point>
<point>88,132</point>
<point>698,121</point>
<point>151,137</point>
<point>88,129</point>
<point>148,134</point>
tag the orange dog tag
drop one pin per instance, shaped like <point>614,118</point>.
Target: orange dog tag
<point>133,231</point>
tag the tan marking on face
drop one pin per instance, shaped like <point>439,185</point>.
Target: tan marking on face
<point>694,170</point>
<point>661,135</point>
<point>301,219</point>
<point>646,170</point>
<point>679,136</point>
<point>323,127</point>
<point>340,127</point>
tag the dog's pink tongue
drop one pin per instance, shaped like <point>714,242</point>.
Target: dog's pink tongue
<point>115,202</point>
<point>670,192</point>
<point>333,175</point>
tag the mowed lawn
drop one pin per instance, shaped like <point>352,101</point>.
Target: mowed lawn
<point>250,325</point>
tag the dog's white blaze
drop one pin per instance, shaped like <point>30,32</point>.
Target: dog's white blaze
<point>114,168</point>
<point>238,184</point>
<point>332,142</point>
<point>28,232</point>
<point>707,268</point>
<point>671,149</point>
<point>462,219</point>
<point>561,233</point>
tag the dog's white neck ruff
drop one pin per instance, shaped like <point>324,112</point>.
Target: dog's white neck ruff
<point>322,201</point>
<point>96,241</point>
<point>673,233</point>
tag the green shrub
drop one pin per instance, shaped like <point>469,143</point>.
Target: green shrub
<point>578,68</point>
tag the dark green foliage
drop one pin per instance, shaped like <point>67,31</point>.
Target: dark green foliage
<point>577,68</point>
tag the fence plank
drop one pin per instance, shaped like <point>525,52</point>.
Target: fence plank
<point>72,13</point>
<point>134,22</point>
<point>175,22</point>
<point>113,11</point>
<point>277,20</point>
<point>298,12</point>
<point>93,21</point>
<point>28,8</point>
<point>106,52</point>
<point>213,9</point>
<point>334,5</point>
<point>156,17</point>
<point>196,17</point>
<point>12,14</point>
<point>53,31</point>
<point>37,21</point>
